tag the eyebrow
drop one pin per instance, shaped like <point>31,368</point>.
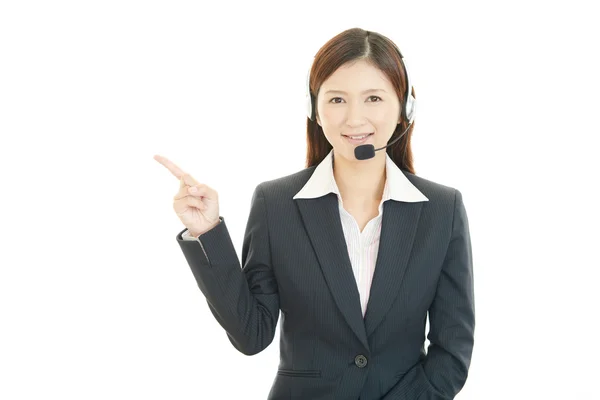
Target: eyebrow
<point>366,91</point>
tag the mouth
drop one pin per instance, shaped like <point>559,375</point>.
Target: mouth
<point>359,138</point>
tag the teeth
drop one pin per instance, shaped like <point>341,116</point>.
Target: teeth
<point>359,137</point>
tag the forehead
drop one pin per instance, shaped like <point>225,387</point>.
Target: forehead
<point>357,76</point>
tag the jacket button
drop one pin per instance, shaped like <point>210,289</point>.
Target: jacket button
<point>360,361</point>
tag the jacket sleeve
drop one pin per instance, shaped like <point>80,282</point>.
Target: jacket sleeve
<point>244,301</point>
<point>443,373</point>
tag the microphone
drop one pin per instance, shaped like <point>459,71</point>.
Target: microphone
<point>366,151</point>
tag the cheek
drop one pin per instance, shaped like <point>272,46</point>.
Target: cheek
<point>385,115</point>
<point>331,117</point>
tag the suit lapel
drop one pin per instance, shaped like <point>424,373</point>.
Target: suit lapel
<point>399,226</point>
<point>322,221</point>
<point>398,229</point>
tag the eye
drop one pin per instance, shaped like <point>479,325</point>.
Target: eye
<point>370,97</point>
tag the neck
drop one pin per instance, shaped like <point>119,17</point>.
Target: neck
<point>360,181</point>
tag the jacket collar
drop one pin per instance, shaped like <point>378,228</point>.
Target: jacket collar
<point>397,186</point>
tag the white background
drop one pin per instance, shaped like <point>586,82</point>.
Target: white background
<point>96,298</point>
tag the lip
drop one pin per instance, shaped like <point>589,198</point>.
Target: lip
<point>354,141</point>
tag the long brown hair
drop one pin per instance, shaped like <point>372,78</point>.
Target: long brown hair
<point>350,45</point>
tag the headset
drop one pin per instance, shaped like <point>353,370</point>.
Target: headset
<point>408,111</point>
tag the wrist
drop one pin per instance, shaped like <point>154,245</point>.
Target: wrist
<point>197,234</point>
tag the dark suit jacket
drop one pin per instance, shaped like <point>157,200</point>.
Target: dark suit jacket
<point>294,259</point>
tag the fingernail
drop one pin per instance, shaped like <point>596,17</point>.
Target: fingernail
<point>193,190</point>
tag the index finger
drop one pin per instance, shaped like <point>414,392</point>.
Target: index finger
<point>175,170</point>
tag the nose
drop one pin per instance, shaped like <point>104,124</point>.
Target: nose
<point>355,115</point>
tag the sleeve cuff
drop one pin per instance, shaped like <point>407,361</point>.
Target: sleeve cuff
<point>187,236</point>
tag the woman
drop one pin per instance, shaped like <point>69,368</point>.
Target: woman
<point>354,252</point>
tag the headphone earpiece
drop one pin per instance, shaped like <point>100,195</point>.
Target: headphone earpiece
<point>310,110</point>
<point>411,103</point>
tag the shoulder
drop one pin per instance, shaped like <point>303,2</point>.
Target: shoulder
<point>286,186</point>
<point>436,192</point>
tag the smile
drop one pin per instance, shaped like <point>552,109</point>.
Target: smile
<point>357,139</point>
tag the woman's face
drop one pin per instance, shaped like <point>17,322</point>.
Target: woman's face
<point>357,99</point>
